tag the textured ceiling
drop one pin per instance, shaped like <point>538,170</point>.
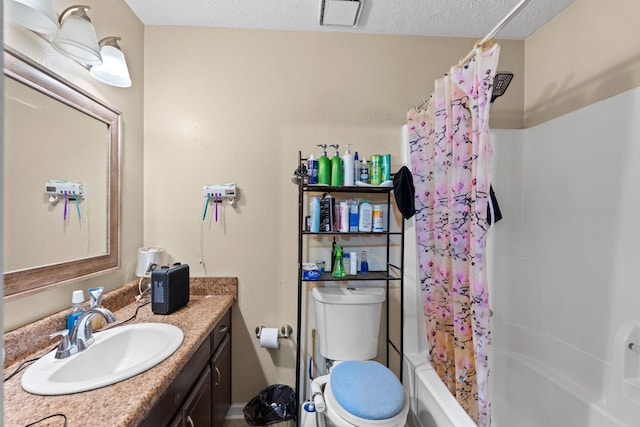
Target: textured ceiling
<point>455,18</point>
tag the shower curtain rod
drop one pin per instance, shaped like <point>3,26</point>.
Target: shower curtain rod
<point>497,28</point>
<point>486,38</point>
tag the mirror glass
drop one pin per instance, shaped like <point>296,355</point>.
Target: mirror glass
<point>54,131</point>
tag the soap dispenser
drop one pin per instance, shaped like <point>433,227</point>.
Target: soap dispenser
<point>348,168</point>
<point>336,167</point>
<point>324,167</point>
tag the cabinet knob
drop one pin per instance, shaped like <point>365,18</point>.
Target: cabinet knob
<point>223,328</point>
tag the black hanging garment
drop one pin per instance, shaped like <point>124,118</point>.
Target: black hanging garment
<point>493,210</point>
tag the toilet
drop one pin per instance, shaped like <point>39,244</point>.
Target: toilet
<point>357,391</point>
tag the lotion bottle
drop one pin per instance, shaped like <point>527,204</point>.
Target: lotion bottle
<point>336,167</point>
<point>347,167</point>
<point>324,167</point>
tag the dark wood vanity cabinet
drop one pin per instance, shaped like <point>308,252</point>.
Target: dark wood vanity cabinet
<point>221,365</point>
<point>201,393</point>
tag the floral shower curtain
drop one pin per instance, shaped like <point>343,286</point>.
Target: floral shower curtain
<point>450,155</point>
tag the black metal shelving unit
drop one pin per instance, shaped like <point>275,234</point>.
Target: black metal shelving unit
<point>393,272</point>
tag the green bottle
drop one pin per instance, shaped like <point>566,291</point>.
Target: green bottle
<point>336,168</point>
<point>338,268</point>
<point>324,167</point>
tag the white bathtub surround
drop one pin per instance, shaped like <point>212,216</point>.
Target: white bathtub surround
<point>527,394</point>
<point>450,162</point>
<point>563,269</point>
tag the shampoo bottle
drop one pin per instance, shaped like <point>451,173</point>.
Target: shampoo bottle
<point>336,168</point>
<point>348,168</point>
<point>324,167</point>
<point>77,300</point>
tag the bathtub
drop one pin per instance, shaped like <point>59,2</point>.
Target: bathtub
<point>432,405</point>
<point>524,395</point>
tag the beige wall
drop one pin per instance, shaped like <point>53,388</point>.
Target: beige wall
<point>590,52</point>
<point>112,18</point>
<point>236,106</point>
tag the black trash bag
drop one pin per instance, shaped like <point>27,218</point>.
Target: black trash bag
<point>274,404</point>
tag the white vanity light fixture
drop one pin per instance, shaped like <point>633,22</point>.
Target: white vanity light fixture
<point>36,15</point>
<point>77,37</point>
<point>113,70</point>
<point>73,35</point>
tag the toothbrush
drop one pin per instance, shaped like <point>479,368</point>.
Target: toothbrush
<point>66,201</point>
<point>216,202</point>
<point>77,205</point>
<point>206,205</point>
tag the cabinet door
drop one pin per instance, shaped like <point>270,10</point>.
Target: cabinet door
<point>196,411</point>
<point>221,364</point>
<point>177,421</point>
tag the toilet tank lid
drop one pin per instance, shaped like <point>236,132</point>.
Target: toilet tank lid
<point>349,295</point>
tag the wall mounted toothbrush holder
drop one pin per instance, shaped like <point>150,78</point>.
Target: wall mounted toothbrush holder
<point>285,332</point>
<point>59,189</point>
<point>220,193</point>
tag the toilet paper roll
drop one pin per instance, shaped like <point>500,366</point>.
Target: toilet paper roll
<point>269,338</point>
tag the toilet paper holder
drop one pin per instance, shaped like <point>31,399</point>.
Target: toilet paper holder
<point>285,332</point>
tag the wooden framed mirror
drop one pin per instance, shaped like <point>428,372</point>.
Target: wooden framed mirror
<point>44,116</point>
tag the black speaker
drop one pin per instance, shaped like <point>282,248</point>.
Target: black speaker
<point>169,288</point>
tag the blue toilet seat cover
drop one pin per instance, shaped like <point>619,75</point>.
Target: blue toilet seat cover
<point>367,389</point>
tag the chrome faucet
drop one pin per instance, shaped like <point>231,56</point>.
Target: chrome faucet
<point>81,336</point>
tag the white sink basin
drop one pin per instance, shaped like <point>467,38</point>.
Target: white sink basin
<point>116,354</point>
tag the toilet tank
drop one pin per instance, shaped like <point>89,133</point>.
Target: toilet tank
<point>348,321</point>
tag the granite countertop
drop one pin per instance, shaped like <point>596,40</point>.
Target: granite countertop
<point>125,403</point>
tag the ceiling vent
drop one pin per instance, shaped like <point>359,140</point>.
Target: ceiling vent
<point>343,13</point>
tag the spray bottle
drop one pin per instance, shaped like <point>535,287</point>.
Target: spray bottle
<point>338,268</point>
<point>336,167</point>
<point>348,168</point>
<point>324,167</point>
